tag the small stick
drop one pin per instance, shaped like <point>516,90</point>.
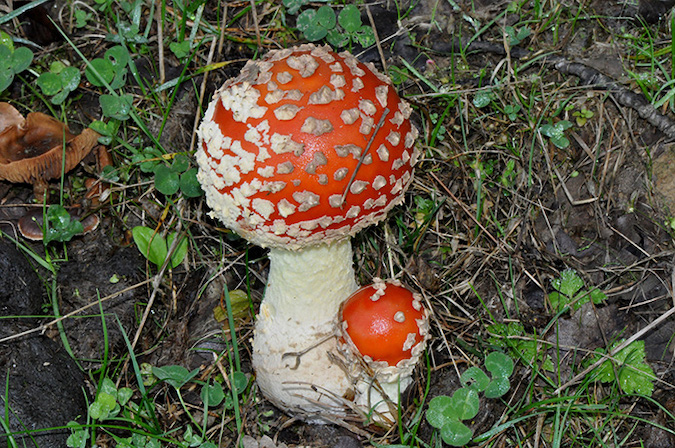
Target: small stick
<point>299,354</point>
<point>255,23</point>
<point>377,38</point>
<point>363,156</point>
<point>202,90</point>
<point>43,327</point>
<point>160,42</point>
<point>223,24</point>
<point>620,347</point>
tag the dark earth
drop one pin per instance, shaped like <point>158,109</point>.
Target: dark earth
<point>608,222</point>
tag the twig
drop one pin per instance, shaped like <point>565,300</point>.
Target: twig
<point>377,38</point>
<point>202,91</point>
<point>45,326</point>
<point>363,156</point>
<point>160,42</point>
<point>254,12</point>
<point>223,24</point>
<point>587,76</point>
<point>620,347</point>
<point>468,212</point>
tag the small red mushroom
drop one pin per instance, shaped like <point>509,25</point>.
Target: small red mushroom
<point>385,322</point>
<point>386,326</point>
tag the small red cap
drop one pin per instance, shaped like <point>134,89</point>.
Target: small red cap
<point>385,322</point>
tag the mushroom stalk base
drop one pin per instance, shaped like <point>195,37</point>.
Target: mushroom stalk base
<point>295,344</point>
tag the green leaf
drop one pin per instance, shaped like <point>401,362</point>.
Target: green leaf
<point>325,17</point>
<point>482,98</point>
<point>350,18</point>
<point>117,107</point>
<point>440,411</point>
<point>306,20</point>
<point>558,301</point>
<point>70,78</point>
<point>108,386</point>
<point>176,376</point>
<point>180,163</point>
<point>60,226</point>
<point>60,97</point>
<point>138,440</point>
<point>465,403</point>
<point>569,283</point>
<point>6,40</point>
<point>239,382</point>
<point>189,185</point>
<point>101,127</point>
<point>99,72</point>
<point>180,251</point>
<point>475,378</point>
<point>81,18</point>
<point>6,78</point>
<point>557,133</point>
<point>637,378</point>
<point>6,55</point>
<point>456,433</point>
<point>119,58</point>
<point>167,181</point>
<point>212,394</point>
<point>598,296</point>
<point>78,439</point>
<point>208,445</point>
<point>49,83</point>
<point>124,395</point>
<point>293,6</point>
<point>635,375</point>
<point>180,49</point>
<point>150,244</point>
<point>365,36</point>
<point>499,365</point>
<point>497,387</point>
<point>21,59</point>
<point>337,38</point>
<point>101,408</point>
<point>107,130</point>
<point>308,23</point>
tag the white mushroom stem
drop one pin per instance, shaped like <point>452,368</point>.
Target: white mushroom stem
<point>294,347</point>
<point>379,396</point>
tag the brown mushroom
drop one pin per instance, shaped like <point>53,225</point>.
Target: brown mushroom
<point>32,150</point>
<point>31,224</point>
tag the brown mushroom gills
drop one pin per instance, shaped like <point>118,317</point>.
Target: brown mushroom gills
<point>33,150</point>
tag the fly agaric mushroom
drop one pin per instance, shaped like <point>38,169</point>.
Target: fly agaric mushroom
<point>302,150</point>
<point>386,326</point>
<point>32,149</point>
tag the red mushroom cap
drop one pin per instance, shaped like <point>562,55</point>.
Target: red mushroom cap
<point>385,322</point>
<point>305,146</point>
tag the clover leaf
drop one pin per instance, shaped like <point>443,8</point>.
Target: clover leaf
<point>176,376</point>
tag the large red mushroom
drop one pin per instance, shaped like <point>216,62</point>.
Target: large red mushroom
<point>299,152</point>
